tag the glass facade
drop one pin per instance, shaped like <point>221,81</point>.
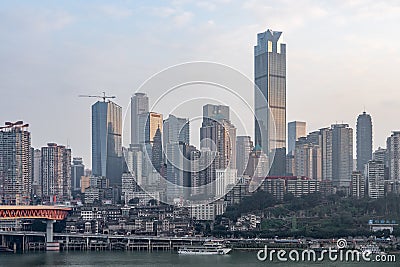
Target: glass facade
<point>139,105</point>
<point>270,78</point>
<point>107,141</point>
<point>270,98</point>
<point>364,140</point>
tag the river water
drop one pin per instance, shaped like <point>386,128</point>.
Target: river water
<point>165,259</point>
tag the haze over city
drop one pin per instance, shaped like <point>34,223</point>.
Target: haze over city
<point>340,57</point>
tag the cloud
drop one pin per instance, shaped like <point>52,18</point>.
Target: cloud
<point>38,20</point>
<point>115,12</point>
<point>183,18</point>
<point>284,14</point>
<point>206,5</point>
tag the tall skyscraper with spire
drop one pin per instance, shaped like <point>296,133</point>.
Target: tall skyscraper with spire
<point>270,78</point>
<point>364,140</point>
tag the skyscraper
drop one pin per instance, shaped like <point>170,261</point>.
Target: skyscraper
<point>342,155</point>
<point>357,184</point>
<point>107,141</point>
<point>296,129</point>
<point>139,105</point>
<point>15,164</point>
<point>157,151</point>
<point>270,78</point>
<point>393,150</point>
<point>308,159</point>
<point>364,140</point>
<point>217,133</point>
<point>244,146</point>
<point>176,144</point>
<point>36,173</point>
<point>77,171</point>
<point>375,171</point>
<point>149,122</point>
<point>56,173</point>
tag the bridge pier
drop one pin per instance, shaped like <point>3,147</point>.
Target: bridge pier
<point>50,244</point>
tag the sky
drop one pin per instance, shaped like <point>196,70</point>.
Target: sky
<point>342,57</point>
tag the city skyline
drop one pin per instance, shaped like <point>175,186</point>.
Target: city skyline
<point>58,79</point>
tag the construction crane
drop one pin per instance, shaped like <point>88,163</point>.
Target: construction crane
<point>104,96</point>
<point>17,124</point>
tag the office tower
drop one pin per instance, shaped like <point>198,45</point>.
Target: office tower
<point>107,141</point>
<point>218,134</point>
<point>325,141</point>
<point>244,146</point>
<point>381,154</point>
<point>258,165</point>
<point>139,105</point>
<point>209,163</point>
<point>176,130</point>
<point>393,154</point>
<point>375,171</point>
<point>15,164</point>
<point>77,171</point>
<point>364,140</point>
<point>225,180</point>
<point>176,143</point>
<point>290,165</point>
<point>36,173</point>
<point>342,155</point>
<point>357,184</point>
<point>134,161</point>
<point>296,129</point>
<point>157,151</point>
<point>148,124</point>
<point>307,157</point>
<point>195,179</point>
<point>56,173</point>
<point>216,112</point>
<point>270,78</point>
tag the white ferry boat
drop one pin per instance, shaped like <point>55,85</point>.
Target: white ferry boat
<point>208,248</point>
<point>373,249</point>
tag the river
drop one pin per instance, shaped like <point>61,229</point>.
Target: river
<point>165,259</point>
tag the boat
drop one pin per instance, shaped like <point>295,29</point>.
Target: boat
<point>372,249</point>
<point>5,249</point>
<point>208,248</point>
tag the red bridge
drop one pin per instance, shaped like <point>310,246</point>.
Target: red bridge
<point>34,212</point>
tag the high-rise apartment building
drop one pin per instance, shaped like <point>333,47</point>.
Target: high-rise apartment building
<point>56,173</point>
<point>36,173</point>
<point>296,129</point>
<point>270,78</point>
<point>15,164</point>
<point>357,185</point>
<point>393,155</point>
<point>107,141</point>
<point>139,105</point>
<point>364,140</point>
<point>342,155</point>
<point>375,171</point>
